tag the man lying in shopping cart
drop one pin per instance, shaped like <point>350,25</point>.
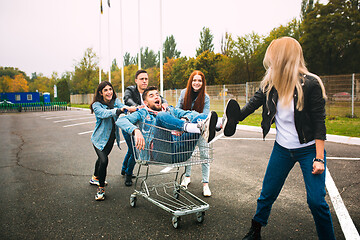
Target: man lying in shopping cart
<point>151,128</point>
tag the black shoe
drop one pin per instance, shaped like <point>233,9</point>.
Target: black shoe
<point>123,172</point>
<point>207,127</point>
<point>230,118</point>
<point>254,232</point>
<point>128,180</point>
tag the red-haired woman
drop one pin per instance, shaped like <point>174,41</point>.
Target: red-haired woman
<point>194,97</point>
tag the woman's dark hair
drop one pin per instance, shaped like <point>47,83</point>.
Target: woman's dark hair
<point>98,97</point>
<point>200,100</point>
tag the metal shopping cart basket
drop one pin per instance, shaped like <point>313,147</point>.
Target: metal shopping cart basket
<point>170,150</point>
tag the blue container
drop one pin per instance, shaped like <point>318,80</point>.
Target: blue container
<point>46,97</point>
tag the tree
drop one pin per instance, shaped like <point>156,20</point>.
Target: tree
<point>85,78</point>
<point>148,58</point>
<point>128,60</point>
<point>169,48</point>
<point>306,7</point>
<point>206,39</point>
<point>63,88</point>
<point>247,47</point>
<point>331,37</point>
<point>227,45</point>
<point>114,66</point>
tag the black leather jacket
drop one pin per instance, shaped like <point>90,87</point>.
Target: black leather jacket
<point>132,96</point>
<point>309,123</point>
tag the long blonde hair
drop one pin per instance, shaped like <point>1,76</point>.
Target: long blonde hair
<point>285,68</point>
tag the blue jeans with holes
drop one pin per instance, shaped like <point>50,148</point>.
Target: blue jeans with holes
<point>280,164</point>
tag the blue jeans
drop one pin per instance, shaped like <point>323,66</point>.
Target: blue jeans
<point>205,167</point>
<point>281,162</point>
<point>129,160</point>
<point>170,148</point>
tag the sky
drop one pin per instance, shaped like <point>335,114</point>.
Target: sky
<point>46,36</point>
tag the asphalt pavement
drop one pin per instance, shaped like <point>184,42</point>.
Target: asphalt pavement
<point>47,160</point>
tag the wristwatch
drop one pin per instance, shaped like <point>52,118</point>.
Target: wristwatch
<point>318,160</point>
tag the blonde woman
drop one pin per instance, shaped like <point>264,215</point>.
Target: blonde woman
<point>294,99</point>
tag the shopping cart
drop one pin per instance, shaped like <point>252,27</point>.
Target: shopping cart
<point>170,150</point>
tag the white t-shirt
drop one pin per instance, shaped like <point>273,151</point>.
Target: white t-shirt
<point>286,134</point>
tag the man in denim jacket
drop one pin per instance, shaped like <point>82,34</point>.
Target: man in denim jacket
<point>190,122</point>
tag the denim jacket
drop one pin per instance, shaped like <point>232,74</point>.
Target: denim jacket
<point>103,126</point>
<point>127,123</point>
<point>206,109</point>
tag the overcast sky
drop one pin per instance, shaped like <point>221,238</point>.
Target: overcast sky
<point>52,35</point>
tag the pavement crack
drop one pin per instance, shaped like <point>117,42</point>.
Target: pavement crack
<point>18,161</point>
<point>346,187</point>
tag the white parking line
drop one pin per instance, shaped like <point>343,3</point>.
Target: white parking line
<point>343,158</point>
<point>85,132</point>
<point>76,124</point>
<point>72,119</point>
<point>62,116</point>
<point>346,223</point>
<point>253,139</point>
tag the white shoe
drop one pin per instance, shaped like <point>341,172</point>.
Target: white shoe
<point>185,182</point>
<point>206,191</point>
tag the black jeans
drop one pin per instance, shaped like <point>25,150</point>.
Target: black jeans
<point>103,160</point>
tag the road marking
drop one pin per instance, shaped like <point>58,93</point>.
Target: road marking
<point>62,116</point>
<point>346,223</point>
<point>76,124</point>
<point>254,139</point>
<point>85,132</point>
<point>343,158</point>
<point>72,119</point>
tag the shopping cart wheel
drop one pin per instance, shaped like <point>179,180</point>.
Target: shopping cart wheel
<point>200,216</point>
<point>133,200</point>
<point>176,221</point>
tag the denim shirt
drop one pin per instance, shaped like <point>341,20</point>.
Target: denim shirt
<point>180,103</point>
<point>127,123</point>
<point>103,126</point>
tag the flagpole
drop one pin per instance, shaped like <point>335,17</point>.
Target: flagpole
<point>161,55</point>
<point>139,55</point>
<point>121,52</point>
<point>109,41</point>
<point>100,41</point>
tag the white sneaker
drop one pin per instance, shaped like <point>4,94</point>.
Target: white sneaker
<point>206,191</point>
<point>207,127</point>
<point>185,182</point>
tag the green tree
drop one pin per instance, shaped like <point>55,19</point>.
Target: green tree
<point>206,39</point>
<point>227,45</point>
<point>114,66</point>
<point>331,37</point>
<point>63,88</point>
<point>85,78</point>
<point>247,47</point>
<point>306,7</point>
<point>169,49</point>
<point>206,62</point>
<point>128,60</point>
<point>148,58</point>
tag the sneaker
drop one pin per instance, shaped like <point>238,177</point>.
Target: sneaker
<point>123,172</point>
<point>207,127</point>
<point>100,195</point>
<point>185,182</point>
<point>128,180</point>
<point>206,191</point>
<point>95,181</point>
<point>230,117</point>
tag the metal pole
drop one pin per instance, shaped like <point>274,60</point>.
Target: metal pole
<point>139,55</point>
<point>161,55</point>
<point>352,94</point>
<point>109,44</point>
<point>121,52</point>
<point>224,95</point>
<point>100,44</point>
<point>246,92</point>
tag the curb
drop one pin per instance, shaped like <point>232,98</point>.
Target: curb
<point>329,137</point>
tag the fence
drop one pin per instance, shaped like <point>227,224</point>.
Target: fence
<point>32,107</point>
<point>343,92</point>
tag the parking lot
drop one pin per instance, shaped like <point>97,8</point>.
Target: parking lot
<point>47,160</point>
